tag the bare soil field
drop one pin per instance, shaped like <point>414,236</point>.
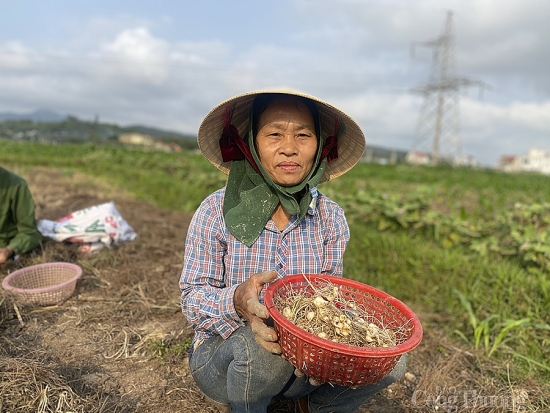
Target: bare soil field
<point>99,351</point>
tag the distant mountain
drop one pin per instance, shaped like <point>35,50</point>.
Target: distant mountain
<point>42,126</point>
<point>160,133</point>
<point>48,116</point>
<point>42,115</point>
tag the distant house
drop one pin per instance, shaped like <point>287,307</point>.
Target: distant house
<point>417,158</point>
<point>174,147</point>
<point>148,141</point>
<point>506,161</point>
<point>536,160</point>
<point>136,138</point>
<point>466,160</point>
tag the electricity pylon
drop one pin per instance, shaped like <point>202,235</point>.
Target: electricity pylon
<point>439,118</point>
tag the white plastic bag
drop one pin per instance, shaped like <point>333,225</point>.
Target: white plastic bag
<point>94,228</point>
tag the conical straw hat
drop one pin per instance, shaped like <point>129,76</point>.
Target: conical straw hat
<point>351,140</point>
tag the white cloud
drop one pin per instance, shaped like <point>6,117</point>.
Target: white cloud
<point>532,115</point>
<point>529,116</point>
<point>13,56</point>
<point>504,129</point>
<point>137,55</point>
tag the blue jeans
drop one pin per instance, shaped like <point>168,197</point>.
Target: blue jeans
<point>240,373</point>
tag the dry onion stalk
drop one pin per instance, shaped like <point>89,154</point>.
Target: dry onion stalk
<point>328,315</point>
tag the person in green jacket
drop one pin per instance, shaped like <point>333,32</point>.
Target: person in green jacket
<point>18,231</point>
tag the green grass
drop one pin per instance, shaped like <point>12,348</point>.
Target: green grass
<point>170,180</point>
<point>162,349</point>
<point>502,296</point>
<point>468,192</point>
<point>496,303</point>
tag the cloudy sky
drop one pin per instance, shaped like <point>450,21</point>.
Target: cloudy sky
<point>166,63</point>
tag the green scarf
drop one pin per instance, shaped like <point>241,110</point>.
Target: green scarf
<point>250,198</point>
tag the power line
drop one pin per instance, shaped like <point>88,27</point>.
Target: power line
<point>438,126</point>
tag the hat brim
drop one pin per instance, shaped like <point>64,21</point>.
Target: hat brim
<point>351,141</point>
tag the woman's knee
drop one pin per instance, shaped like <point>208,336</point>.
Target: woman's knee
<point>249,352</point>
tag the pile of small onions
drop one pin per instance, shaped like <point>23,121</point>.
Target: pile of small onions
<point>328,315</point>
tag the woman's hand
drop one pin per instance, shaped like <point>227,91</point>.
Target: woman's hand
<point>249,307</point>
<point>5,254</point>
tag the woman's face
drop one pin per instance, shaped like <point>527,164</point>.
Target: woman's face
<point>286,141</point>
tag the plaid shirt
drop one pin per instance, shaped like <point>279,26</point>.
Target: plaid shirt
<point>215,262</point>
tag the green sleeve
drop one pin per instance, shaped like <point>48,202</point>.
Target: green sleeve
<point>27,236</point>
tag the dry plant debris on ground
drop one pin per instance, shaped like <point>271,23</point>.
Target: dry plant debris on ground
<point>94,353</point>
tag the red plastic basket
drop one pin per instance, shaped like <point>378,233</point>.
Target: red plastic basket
<point>43,284</point>
<point>339,363</point>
